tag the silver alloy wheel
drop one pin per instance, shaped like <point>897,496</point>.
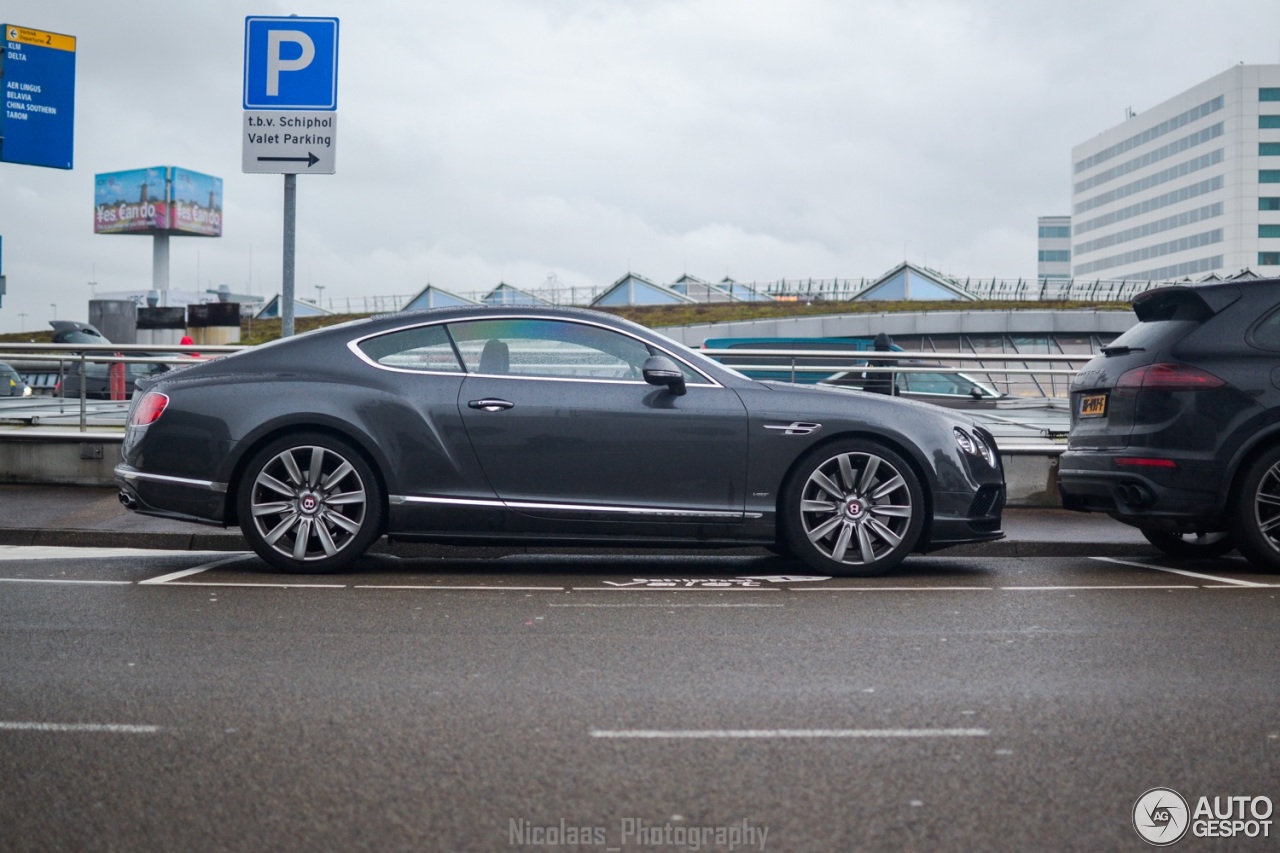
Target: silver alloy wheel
<point>308,503</point>
<point>1266,506</point>
<point>855,508</point>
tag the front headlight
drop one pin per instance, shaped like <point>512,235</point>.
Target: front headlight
<point>975,446</point>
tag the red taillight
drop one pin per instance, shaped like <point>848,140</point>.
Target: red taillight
<point>149,409</point>
<point>1144,462</point>
<point>1167,377</point>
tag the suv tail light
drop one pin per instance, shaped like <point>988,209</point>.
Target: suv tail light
<point>1166,377</point>
<point>149,409</point>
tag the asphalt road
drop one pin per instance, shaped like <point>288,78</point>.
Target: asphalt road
<point>631,703</point>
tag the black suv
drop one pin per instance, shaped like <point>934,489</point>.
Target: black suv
<point>1175,428</point>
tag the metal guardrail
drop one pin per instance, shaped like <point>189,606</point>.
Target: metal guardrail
<point>793,362</point>
<point>78,356</point>
<point>796,362</point>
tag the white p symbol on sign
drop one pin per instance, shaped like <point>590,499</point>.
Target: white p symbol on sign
<point>275,64</point>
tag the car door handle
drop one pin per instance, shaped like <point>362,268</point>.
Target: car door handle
<point>491,404</point>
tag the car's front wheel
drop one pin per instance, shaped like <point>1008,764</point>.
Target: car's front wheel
<point>1256,518</point>
<point>1190,546</point>
<point>853,508</point>
<point>309,503</point>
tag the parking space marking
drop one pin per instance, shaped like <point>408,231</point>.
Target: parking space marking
<point>666,606</point>
<point>50,552</point>
<point>66,580</point>
<point>189,572</point>
<point>894,589</point>
<point>734,734</point>
<point>446,587</point>
<point>1116,586</point>
<point>1183,572</point>
<point>261,585</point>
<point>675,589</point>
<point>112,728</point>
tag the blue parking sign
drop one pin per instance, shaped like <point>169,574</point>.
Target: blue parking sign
<point>290,63</point>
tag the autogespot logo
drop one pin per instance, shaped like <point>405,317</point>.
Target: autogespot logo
<point>1160,816</point>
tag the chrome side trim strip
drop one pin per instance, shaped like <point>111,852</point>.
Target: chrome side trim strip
<point>401,500</point>
<point>178,481</point>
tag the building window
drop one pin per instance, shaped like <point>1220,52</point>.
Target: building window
<point>1268,259</point>
<point>1269,176</point>
<point>1269,204</point>
<point>1055,255</point>
<point>1269,122</point>
<point>1269,230</point>
<point>1269,149</point>
<point>1057,231</point>
<point>1269,94</point>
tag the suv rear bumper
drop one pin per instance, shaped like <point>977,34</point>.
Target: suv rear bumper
<point>1091,482</point>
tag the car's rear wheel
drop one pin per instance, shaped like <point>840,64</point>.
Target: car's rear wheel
<point>309,503</point>
<point>1256,518</point>
<point>854,508</point>
<point>1190,546</point>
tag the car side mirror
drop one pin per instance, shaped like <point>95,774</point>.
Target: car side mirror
<point>975,392</point>
<point>660,370</point>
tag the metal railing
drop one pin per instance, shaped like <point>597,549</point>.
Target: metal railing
<point>1046,381</point>
<point>74,360</point>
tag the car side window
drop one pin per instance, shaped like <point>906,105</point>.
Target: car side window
<point>557,349</point>
<point>1267,333</point>
<point>423,348</point>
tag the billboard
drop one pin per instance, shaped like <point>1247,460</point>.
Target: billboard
<point>157,200</point>
<point>196,203</point>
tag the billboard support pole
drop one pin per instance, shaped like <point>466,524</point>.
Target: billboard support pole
<point>160,266</point>
<point>290,239</point>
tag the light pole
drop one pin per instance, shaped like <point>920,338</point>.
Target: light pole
<point>22,321</point>
<point>54,306</point>
<point>319,295</point>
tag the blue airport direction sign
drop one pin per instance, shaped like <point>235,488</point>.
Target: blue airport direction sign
<point>38,77</point>
<point>290,63</point>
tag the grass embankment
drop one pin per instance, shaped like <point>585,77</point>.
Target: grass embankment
<point>261,331</point>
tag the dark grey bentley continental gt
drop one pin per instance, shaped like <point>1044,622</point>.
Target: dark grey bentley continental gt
<point>546,425</point>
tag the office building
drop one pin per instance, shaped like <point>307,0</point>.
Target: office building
<point>1186,188</point>
<point>1054,243</point>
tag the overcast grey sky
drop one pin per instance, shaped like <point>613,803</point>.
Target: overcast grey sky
<point>512,139</point>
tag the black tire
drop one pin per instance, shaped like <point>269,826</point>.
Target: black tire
<point>1256,516</point>
<point>309,503</point>
<point>1190,546</point>
<point>854,508</point>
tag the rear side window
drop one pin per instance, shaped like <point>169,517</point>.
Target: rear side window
<point>1267,333</point>
<point>424,348</point>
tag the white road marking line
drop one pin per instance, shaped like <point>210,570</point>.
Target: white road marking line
<point>114,728</point>
<point>40,552</point>
<point>57,580</point>
<point>1183,572</point>
<point>1251,586</point>
<point>442,586</point>
<point>262,585</point>
<point>711,734</point>
<point>192,571</point>
<point>668,606</point>
<point>1118,586</point>
<point>675,589</point>
<point>894,589</point>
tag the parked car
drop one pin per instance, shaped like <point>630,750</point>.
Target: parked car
<point>546,425</point>
<point>11,384</point>
<point>97,377</point>
<point>1175,427</point>
<point>944,386</point>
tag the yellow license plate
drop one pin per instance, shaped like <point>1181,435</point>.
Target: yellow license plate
<point>1093,405</point>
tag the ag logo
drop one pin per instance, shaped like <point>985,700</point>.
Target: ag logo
<point>1161,816</point>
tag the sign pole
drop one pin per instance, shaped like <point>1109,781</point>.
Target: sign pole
<point>290,241</point>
